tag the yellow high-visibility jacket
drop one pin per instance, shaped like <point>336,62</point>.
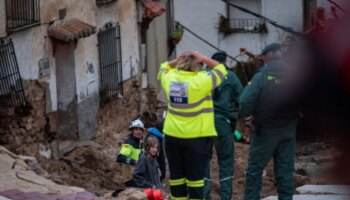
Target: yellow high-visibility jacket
<point>190,106</point>
<point>130,151</point>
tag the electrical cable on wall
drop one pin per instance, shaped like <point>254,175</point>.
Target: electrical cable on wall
<point>205,41</point>
<point>338,6</point>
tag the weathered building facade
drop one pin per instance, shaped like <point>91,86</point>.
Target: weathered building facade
<point>81,52</point>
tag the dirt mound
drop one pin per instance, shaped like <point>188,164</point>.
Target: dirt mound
<point>87,167</point>
<point>23,172</point>
<point>22,128</point>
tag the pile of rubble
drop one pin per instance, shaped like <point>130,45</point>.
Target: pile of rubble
<point>22,129</point>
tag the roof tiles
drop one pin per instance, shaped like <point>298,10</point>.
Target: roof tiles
<point>70,30</point>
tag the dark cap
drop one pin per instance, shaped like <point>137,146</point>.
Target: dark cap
<point>219,56</point>
<point>271,47</point>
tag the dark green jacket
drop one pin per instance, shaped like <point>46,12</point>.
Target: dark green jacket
<point>226,95</point>
<point>266,97</point>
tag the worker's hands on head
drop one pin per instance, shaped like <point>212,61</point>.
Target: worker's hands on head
<point>174,61</point>
<point>204,59</point>
<point>199,57</point>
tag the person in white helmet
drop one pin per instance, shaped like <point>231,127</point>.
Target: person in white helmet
<point>130,151</point>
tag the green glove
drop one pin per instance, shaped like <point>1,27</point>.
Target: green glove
<point>238,135</point>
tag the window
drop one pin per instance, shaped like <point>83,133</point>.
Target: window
<point>11,88</point>
<point>22,14</point>
<point>240,21</point>
<point>110,57</point>
<point>103,2</point>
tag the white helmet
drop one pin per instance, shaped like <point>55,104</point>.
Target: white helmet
<point>137,123</point>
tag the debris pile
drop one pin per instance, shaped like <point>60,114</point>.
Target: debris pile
<point>22,129</point>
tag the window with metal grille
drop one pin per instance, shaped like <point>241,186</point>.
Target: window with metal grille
<point>11,88</point>
<point>110,56</point>
<point>22,14</point>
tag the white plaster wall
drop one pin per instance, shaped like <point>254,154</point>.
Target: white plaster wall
<point>31,45</point>
<point>86,68</point>
<point>86,52</point>
<point>285,12</point>
<point>105,14</point>
<point>2,19</point>
<point>202,16</point>
<point>156,48</point>
<point>253,5</point>
<point>127,17</point>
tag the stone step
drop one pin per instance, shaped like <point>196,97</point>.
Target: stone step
<point>314,197</point>
<point>324,189</point>
<point>15,194</point>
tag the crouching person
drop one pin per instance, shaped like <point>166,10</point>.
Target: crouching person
<point>147,174</point>
<point>130,150</point>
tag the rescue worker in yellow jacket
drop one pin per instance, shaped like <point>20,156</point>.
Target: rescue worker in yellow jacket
<point>189,122</point>
<point>131,149</point>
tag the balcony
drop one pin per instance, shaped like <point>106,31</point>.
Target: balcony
<point>21,14</point>
<point>247,26</point>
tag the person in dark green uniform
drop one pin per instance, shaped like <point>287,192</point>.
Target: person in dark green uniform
<point>263,105</point>
<point>225,99</point>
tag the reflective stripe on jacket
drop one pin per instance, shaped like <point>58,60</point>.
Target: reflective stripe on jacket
<point>190,106</point>
<point>131,148</point>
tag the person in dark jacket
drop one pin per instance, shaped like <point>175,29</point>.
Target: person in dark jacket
<point>130,151</point>
<point>147,173</point>
<point>225,98</point>
<point>154,132</point>
<point>131,148</point>
<point>265,105</point>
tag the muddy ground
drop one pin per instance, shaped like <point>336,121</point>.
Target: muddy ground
<point>93,167</point>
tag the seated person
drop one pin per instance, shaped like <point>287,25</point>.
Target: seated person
<point>154,132</point>
<point>147,173</point>
<point>131,148</point>
<point>130,151</point>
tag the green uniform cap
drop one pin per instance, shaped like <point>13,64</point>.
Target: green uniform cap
<point>270,47</point>
<point>219,56</point>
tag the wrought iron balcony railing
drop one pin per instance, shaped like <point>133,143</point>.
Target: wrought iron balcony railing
<point>248,25</point>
